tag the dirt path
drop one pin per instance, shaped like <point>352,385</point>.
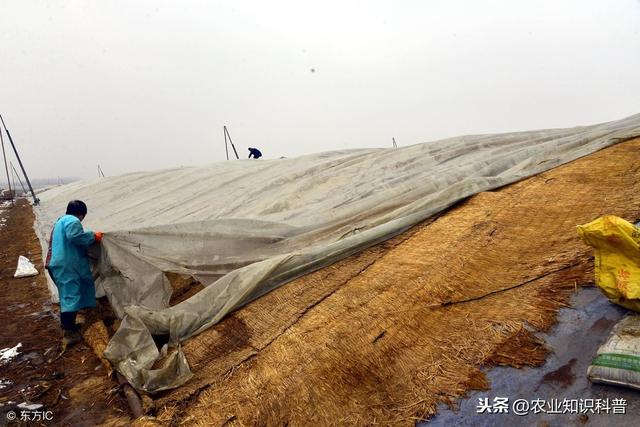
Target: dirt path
<point>74,388</point>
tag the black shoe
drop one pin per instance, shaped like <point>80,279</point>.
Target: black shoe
<point>70,338</point>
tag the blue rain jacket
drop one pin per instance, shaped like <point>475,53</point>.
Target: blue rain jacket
<point>69,265</point>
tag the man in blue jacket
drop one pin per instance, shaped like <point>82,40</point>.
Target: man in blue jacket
<point>68,265</point>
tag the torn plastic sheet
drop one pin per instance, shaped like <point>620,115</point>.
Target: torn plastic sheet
<point>243,228</point>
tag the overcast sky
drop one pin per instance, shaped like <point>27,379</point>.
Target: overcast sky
<point>140,85</point>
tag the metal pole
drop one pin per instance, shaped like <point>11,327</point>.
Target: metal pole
<point>33,194</point>
<point>15,172</point>
<point>226,145</point>
<point>232,146</point>
<point>6,168</point>
<point>13,183</point>
<point>100,172</point>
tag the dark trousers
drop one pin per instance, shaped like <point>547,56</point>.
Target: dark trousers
<point>68,320</point>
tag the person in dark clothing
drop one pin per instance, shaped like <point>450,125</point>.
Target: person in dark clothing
<point>255,153</point>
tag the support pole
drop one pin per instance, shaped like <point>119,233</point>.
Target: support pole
<point>232,146</point>
<point>33,194</point>
<point>100,173</point>
<point>226,145</point>
<point>15,173</point>
<point>13,183</point>
<point>6,168</point>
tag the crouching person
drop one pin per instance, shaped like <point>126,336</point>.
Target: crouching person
<point>68,266</point>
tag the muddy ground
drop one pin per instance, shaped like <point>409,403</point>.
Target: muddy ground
<point>74,388</point>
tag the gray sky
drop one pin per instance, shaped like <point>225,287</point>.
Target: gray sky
<point>140,85</point>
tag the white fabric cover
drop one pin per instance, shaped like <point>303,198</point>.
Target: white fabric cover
<point>245,227</point>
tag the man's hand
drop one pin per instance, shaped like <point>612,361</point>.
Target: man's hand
<point>98,236</point>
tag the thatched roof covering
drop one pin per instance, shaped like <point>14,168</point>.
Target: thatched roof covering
<point>383,336</point>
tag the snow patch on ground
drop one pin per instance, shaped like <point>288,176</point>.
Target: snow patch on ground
<point>30,406</point>
<point>3,220</point>
<point>6,354</point>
